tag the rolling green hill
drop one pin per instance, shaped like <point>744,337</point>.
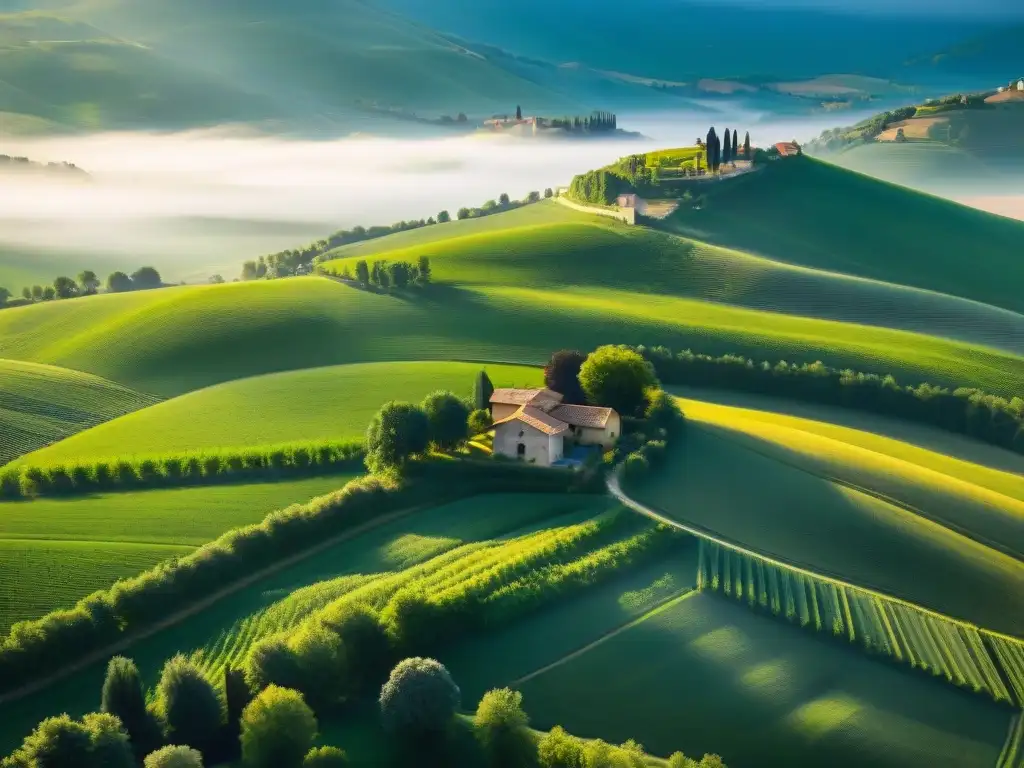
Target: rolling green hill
<point>868,510</point>
<point>313,404</point>
<point>807,212</point>
<point>40,404</point>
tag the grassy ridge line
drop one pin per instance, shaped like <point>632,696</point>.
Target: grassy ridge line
<point>663,605</point>
<point>615,488</point>
<point>720,432</point>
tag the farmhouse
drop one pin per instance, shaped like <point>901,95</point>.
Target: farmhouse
<point>534,425</point>
<point>788,148</point>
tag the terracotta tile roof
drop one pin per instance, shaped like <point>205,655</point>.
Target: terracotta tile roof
<point>583,415</point>
<point>537,419</point>
<point>525,396</point>
<point>787,148</point>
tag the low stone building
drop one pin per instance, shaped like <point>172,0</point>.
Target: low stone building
<point>533,425</point>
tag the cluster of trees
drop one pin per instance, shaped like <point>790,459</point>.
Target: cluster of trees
<point>9,163</point>
<point>87,284</point>
<point>836,139</point>
<point>179,469</point>
<point>387,274</point>
<point>965,410</point>
<point>503,203</point>
<point>725,150</point>
<point>597,122</point>
<point>401,431</point>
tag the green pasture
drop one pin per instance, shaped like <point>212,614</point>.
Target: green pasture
<point>226,630</point>
<point>40,404</point>
<point>334,403</point>
<point>788,508</point>
<point>916,164</point>
<point>814,214</point>
<point>545,249</point>
<point>178,339</point>
<point>56,551</point>
<point>707,675</point>
<point>674,158</point>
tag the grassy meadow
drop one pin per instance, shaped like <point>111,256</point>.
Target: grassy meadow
<point>705,674</point>
<point>41,404</point>
<point>334,403</point>
<point>792,510</point>
<point>56,551</point>
<point>226,630</point>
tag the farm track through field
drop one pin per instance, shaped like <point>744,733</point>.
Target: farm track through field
<point>719,432</point>
<point>615,488</point>
<point>663,605</point>
<point>198,607</point>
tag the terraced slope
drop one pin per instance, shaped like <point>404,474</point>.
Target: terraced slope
<point>54,552</point>
<point>859,506</point>
<point>315,404</point>
<point>545,246</point>
<point>710,675</point>
<point>40,404</point>
<point>861,226</point>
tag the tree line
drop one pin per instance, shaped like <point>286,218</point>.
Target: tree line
<point>384,274</point>
<point>87,284</point>
<point>964,410</point>
<point>292,261</point>
<point>179,469</point>
<point>725,150</point>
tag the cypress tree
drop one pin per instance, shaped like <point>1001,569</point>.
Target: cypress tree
<point>519,112</point>
<point>746,146</point>
<point>735,146</point>
<point>709,145</point>
<point>482,391</point>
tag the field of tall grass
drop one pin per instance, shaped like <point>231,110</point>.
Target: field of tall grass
<point>57,551</point>
<point>315,404</point>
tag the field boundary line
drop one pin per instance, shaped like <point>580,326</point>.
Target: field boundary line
<point>206,602</point>
<point>662,605</point>
<point>718,430</point>
<point>615,488</point>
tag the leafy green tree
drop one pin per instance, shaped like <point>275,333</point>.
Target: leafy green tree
<point>57,742</point>
<point>174,757</point>
<point>65,287</point>
<point>325,757</point>
<point>188,704</point>
<point>37,293</point>
<point>272,662</point>
<point>423,265</point>
<point>4,295</point>
<point>503,199</point>
<point>366,641</point>
<point>278,729</point>
<point>448,416</point>
<point>399,273</point>
<point>26,293</point>
<point>419,699</point>
<point>562,373</point>
<point>679,760</point>
<point>49,293</point>
<point>443,217</point>
<point>250,270</point>
<point>502,728</point>
<point>479,421</point>
<point>398,431</point>
<point>119,282</point>
<point>362,272</point>
<point>88,282</point>
<point>216,279</point>
<point>146,278</point>
<point>123,697</point>
<point>463,213</point>
<point>663,412</point>
<point>383,276</point>
<point>482,391</point>
<point>533,197</point>
<point>321,663</point>
<point>110,747</point>
<point>549,193</point>
<point>559,749</point>
<point>617,377</point>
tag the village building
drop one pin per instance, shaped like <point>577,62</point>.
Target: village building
<point>533,425</point>
<point>788,148</point>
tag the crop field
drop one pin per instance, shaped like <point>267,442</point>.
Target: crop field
<point>706,674</point>
<point>674,158</point>
<point>787,512</point>
<point>40,404</point>
<point>885,232</point>
<point>56,551</point>
<point>286,598</point>
<point>334,403</point>
<point>957,652</point>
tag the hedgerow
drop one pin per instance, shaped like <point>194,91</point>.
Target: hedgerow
<point>179,469</point>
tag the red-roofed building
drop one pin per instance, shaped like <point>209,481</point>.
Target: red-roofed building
<point>788,148</point>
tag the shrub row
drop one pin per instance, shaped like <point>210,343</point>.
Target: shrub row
<point>41,646</point>
<point>181,469</point>
<point>967,411</point>
<point>421,617</point>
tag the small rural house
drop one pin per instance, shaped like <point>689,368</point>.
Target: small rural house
<point>788,148</point>
<point>534,425</point>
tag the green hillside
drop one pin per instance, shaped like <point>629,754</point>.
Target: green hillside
<point>40,404</point>
<point>810,213</point>
<point>836,503</point>
<point>314,404</point>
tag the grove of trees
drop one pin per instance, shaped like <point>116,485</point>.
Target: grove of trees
<point>387,274</point>
<point>87,284</point>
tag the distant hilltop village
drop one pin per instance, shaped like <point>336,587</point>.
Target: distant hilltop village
<point>596,123</point>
